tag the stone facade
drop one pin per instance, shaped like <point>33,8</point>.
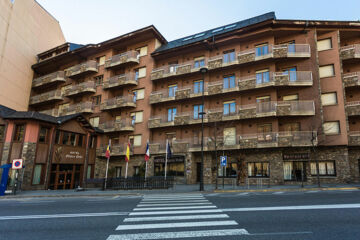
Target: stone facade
<point>215,63</point>
<point>351,81</point>
<point>215,89</point>
<point>155,98</point>
<point>182,94</point>
<point>247,84</point>
<point>281,80</point>
<point>246,57</point>
<point>28,156</point>
<point>347,53</point>
<point>182,120</point>
<point>353,110</point>
<point>280,51</point>
<point>157,74</point>
<point>183,69</point>
<point>5,153</point>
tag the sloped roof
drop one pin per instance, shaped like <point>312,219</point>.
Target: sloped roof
<point>5,111</point>
<point>214,32</point>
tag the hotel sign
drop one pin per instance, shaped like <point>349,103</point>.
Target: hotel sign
<point>296,156</point>
<point>173,159</point>
<point>69,154</point>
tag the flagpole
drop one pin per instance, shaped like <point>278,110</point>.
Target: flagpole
<point>166,156</point>
<point>107,167</point>
<point>126,170</point>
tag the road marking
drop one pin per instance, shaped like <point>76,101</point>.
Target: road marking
<point>279,233</point>
<point>186,234</point>
<point>243,194</point>
<point>176,225</point>
<point>173,195</point>
<point>178,201</point>
<point>72,215</point>
<point>169,218</point>
<point>171,204</point>
<point>278,192</point>
<point>170,198</point>
<point>173,208</point>
<point>176,212</point>
<point>312,191</point>
<point>306,207</point>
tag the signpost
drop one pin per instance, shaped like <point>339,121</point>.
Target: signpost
<point>16,165</point>
<point>223,163</point>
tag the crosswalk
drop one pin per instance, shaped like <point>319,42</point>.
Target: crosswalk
<point>176,216</point>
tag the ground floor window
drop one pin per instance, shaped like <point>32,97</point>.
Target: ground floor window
<point>229,172</point>
<point>117,172</point>
<point>295,171</point>
<point>37,174</point>
<point>326,168</point>
<point>173,169</point>
<point>258,169</point>
<point>89,171</point>
<point>136,171</point>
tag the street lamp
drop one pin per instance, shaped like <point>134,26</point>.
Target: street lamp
<point>203,70</point>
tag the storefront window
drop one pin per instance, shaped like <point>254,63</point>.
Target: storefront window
<point>173,169</point>
<point>325,168</point>
<point>295,171</point>
<point>258,169</point>
<point>229,172</point>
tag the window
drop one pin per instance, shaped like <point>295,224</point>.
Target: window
<point>292,73</point>
<point>136,171</point>
<point>89,171</point>
<point>171,114</point>
<point>258,169</point>
<point>136,117</point>
<point>326,71</point>
<point>229,171</point>
<point>264,128</point>
<point>324,44</point>
<point>199,62</point>
<point>2,133</point>
<point>140,73</point>
<point>173,66</point>
<point>57,137</point>
<point>19,133</point>
<point>37,174</point>
<point>94,121</point>
<point>292,127</point>
<point>229,82</point>
<point>43,135</point>
<point>96,100</point>
<point>197,110</point>
<point>263,99</point>
<point>326,168</point>
<point>65,138</point>
<point>229,56</point>
<point>139,94</point>
<point>117,172</point>
<point>229,136</point>
<point>328,99</point>
<point>262,76</point>
<point>92,141</point>
<point>261,50</point>
<point>80,140</point>
<point>136,140</point>
<point>99,80</point>
<point>172,90</point>
<point>291,46</point>
<point>331,128</point>
<point>295,170</point>
<point>73,139</point>
<point>229,108</point>
<point>292,97</point>
<point>142,51</point>
<point>100,60</point>
<point>198,86</point>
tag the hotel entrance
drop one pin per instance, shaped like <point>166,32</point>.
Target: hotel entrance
<point>65,176</point>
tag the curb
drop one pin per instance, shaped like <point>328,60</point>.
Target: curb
<point>288,189</point>
<point>70,195</point>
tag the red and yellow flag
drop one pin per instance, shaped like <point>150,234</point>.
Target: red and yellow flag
<point>127,155</point>
<point>107,153</point>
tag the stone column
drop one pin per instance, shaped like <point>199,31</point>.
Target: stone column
<point>28,156</point>
<point>5,153</point>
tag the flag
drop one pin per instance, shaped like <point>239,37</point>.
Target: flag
<point>127,156</point>
<point>147,152</point>
<point>107,153</point>
<point>168,148</point>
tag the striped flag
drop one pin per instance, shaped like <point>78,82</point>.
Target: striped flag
<point>107,153</point>
<point>147,152</point>
<point>127,156</point>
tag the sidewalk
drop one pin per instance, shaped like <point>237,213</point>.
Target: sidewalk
<point>180,188</point>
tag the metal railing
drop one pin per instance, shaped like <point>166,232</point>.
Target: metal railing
<point>55,76</point>
<point>47,96</point>
<point>295,76</point>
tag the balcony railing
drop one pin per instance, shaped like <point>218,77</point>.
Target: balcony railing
<point>82,88</point>
<point>116,150</point>
<point>80,69</point>
<point>354,138</point>
<point>47,97</point>
<point>120,80</point>
<point>49,78</point>
<point>350,52</point>
<point>353,108</point>
<point>117,126</point>
<point>84,107</point>
<point>118,102</point>
<point>243,141</point>
<point>52,112</point>
<point>120,59</point>
<point>351,79</point>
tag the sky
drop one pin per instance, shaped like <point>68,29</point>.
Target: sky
<point>94,21</point>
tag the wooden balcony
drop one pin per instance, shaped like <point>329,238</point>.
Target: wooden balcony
<point>80,89</point>
<point>52,78</point>
<point>84,108</point>
<point>351,79</point>
<point>350,52</point>
<point>48,97</point>
<point>118,102</point>
<point>120,81</point>
<point>353,108</point>
<point>122,59</point>
<point>116,126</point>
<point>82,69</point>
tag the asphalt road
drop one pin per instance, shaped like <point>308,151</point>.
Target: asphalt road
<point>274,215</point>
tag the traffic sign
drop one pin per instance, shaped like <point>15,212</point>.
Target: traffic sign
<point>17,164</point>
<point>223,160</point>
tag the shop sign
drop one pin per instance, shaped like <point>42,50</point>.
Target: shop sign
<point>172,159</point>
<point>296,156</point>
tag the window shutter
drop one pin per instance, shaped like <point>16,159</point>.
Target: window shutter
<point>137,140</point>
<point>328,99</point>
<point>143,51</point>
<point>140,94</point>
<point>102,60</point>
<point>324,44</point>
<point>142,72</point>
<point>230,136</point>
<point>138,117</point>
<point>293,97</point>
<point>331,127</point>
<point>326,71</point>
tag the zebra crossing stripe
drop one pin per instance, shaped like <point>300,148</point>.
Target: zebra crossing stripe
<point>186,234</point>
<point>170,218</point>
<point>175,212</point>
<point>174,208</point>
<point>176,225</point>
<point>170,198</point>
<point>171,204</point>
<point>177,201</point>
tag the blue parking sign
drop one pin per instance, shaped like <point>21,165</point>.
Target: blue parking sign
<point>223,160</point>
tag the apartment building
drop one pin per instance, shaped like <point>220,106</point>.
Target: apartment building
<point>280,101</point>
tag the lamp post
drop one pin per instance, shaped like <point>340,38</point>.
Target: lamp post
<point>203,70</point>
